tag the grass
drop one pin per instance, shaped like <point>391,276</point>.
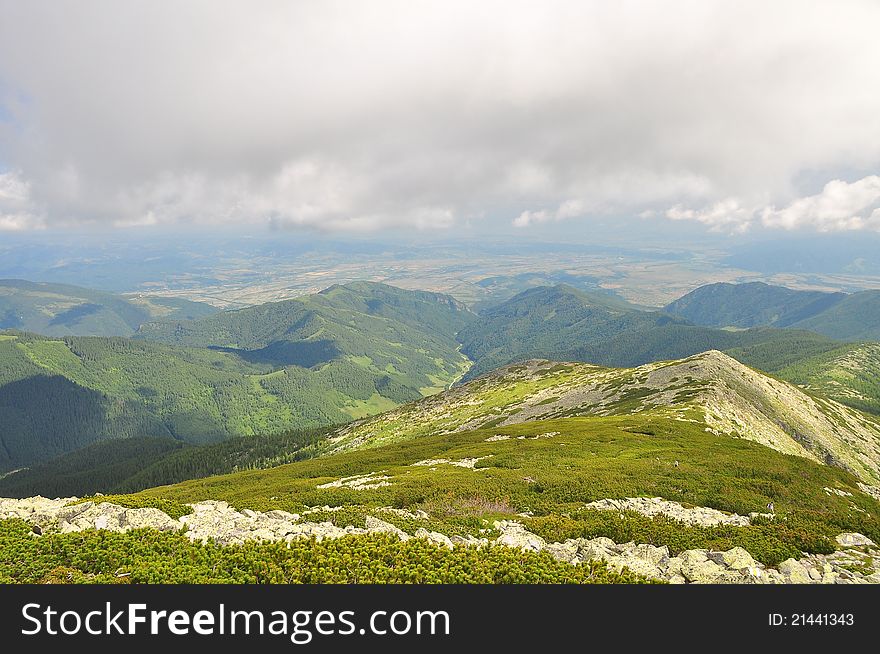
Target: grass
<point>553,477</point>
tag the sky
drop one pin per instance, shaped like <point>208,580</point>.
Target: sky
<point>439,117</point>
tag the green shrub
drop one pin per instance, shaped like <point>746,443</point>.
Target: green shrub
<point>145,556</point>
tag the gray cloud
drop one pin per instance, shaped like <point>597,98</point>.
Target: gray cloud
<point>360,116</point>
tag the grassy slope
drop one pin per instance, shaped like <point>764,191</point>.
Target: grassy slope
<point>552,477</point>
<point>712,387</point>
<point>849,374</point>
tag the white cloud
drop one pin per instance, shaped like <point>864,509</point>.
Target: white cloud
<point>347,115</point>
<point>723,215</point>
<point>841,206</point>
<point>16,204</point>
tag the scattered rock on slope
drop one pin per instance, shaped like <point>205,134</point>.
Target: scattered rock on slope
<point>857,562</point>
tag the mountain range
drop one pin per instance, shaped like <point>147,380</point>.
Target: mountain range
<point>366,408</point>
<point>363,348</point>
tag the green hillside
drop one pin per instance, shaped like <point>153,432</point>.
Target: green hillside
<point>847,373</point>
<point>754,304</point>
<point>854,317</point>
<point>712,388</point>
<point>369,347</point>
<point>562,323</point>
<point>64,310</point>
<point>542,473</point>
<point>534,443</point>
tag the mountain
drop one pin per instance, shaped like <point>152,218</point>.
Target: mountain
<point>384,328</point>
<point>343,354</point>
<point>851,317</point>
<point>64,310</point>
<point>730,398</point>
<point>540,442</point>
<point>754,304</point>
<point>856,317</point>
<point>847,373</point>
<point>563,323</point>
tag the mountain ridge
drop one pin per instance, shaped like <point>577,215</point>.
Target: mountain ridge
<point>730,397</point>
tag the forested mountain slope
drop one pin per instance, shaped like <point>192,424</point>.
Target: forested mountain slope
<point>854,317</point>
<point>132,464</point>
<point>562,323</point>
<point>64,310</point>
<point>349,353</point>
<point>754,304</point>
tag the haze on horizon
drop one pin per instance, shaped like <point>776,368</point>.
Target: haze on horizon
<point>511,118</point>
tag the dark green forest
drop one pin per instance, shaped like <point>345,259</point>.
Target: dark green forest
<point>854,317</point>
<point>133,464</point>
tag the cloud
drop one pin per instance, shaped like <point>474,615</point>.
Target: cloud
<point>726,214</point>
<point>840,206</point>
<point>16,205</point>
<point>344,115</point>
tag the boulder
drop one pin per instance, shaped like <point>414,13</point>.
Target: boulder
<point>148,517</point>
<point>850,539</point>
<point>735,558</point>
<point>692,557</point>
<point>513,534</point>
<point>435,537</point>
<point>703,572</point>
<point>374,526</point>
<point>794,571</point>
<point>650,553</point>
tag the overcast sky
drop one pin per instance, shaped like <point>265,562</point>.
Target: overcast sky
<point>369,116</point>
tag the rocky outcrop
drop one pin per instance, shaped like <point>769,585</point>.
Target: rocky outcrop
<point>67,517</point>
<point>858,560</point>
<point>734,566</point>
<point>369,481</point>
<point>653,506</point>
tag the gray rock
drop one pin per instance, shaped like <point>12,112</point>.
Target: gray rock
<point>692,557</point>
<point>147,517</point>
<point>650,553</point>
<point>735,558</point>
<point>435,537</point>
<point>513,534</point>
<point>794,571</point>
<point>374,525</point>
<point>702,572</point>
<point>851,539</point>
